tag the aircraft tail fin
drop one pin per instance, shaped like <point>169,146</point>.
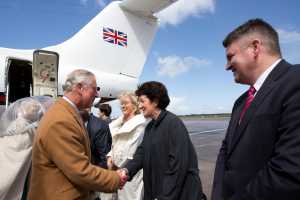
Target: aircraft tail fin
<point>116,41</point>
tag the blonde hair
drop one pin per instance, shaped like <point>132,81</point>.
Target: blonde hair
<point>133,98</point>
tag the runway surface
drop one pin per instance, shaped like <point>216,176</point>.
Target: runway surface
<point>207,135</point>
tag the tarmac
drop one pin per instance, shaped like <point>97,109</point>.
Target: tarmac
<point>207,136</point>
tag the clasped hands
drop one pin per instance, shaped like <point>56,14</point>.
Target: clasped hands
<point>123,174</point>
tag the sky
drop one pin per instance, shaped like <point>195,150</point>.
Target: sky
<point>187,53</point>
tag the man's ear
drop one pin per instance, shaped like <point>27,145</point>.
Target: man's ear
<point>79,86</point>
<point>256,45</point>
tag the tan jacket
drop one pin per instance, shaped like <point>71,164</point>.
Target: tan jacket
<point>61,167</point>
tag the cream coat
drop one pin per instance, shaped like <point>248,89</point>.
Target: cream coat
<point>126,137</point>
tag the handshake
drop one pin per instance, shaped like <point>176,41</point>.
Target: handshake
<point>123,174</point>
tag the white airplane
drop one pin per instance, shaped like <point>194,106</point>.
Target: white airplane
<point>114,46</point>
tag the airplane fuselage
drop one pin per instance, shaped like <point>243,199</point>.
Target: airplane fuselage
<point>114,46</point>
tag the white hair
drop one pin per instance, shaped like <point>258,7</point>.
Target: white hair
<point>77,76</point>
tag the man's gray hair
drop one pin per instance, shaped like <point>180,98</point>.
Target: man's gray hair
<point>78,76</point>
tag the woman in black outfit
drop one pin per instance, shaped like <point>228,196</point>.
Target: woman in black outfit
<point>166,154</point>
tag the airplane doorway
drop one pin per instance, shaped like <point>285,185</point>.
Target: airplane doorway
<point>19,81</point>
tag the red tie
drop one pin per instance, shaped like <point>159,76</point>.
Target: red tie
<point>250,97</point>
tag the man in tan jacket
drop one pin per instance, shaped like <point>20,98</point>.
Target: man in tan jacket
<point>61,159</point>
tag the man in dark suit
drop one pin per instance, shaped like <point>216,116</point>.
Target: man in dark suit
<point>99,135</point>
<point>260,155</point>
<point>100,138</point>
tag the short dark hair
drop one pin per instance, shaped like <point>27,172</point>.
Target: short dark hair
<point>156,92</point>
<point>260,27</point>
<point>105,108</point>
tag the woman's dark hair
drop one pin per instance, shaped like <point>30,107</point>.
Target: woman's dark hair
<point>106,109</point>
<point>156,92</point>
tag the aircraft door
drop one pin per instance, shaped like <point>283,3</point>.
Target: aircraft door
<point>45,73</point>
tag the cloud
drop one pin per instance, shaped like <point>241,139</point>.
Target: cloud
<point>101,3</point>
<point>83,2</point>
<point>178,105</point>
<point>174,65</point>
<point>288,37</point>
<point>182,9</point>
<point>290,45</point>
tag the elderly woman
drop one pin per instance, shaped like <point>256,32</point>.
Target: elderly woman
<point>127,133</point>
<point>17,129</point>
<point>166,154</point>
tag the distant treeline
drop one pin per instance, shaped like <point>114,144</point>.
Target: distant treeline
<point>206,116</point>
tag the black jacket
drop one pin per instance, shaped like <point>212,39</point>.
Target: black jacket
<point>260,157</point>
<point>100,139</point>
<point>169,161</point>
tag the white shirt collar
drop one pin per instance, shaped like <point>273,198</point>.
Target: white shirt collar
<point>264,76</point>
<point>70,102</point>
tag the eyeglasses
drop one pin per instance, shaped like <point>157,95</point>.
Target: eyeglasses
<point>95,88</point>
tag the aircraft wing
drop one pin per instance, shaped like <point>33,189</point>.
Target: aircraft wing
<point>146,7</point>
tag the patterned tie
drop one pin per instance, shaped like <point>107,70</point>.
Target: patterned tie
<point>250,97</point>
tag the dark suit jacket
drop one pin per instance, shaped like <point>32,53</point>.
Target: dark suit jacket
<point>260,158</point>
<point>100,139</point>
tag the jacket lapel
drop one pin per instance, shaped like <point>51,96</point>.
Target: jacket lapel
<point>263,92</point>
<point>234,122</point>
<point>78,119</point>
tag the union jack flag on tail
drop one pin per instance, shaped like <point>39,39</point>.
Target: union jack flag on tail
<point>115,37</point>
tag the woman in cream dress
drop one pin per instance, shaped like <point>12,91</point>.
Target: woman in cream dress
<point>127,133</point>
